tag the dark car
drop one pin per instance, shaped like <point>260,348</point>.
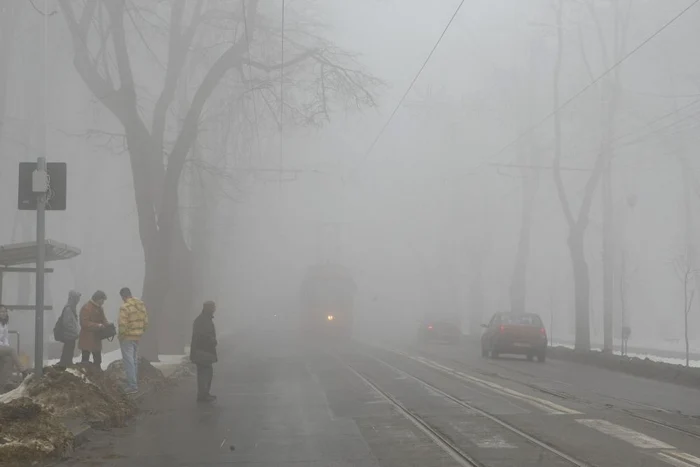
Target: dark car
<point>515,333</point>
<point>440,328</point>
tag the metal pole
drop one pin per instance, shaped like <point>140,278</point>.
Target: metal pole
<point>41,208</point>
<point>41,247</point>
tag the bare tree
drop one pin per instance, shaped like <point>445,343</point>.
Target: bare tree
<point>686,274</point>
<point>528,155</point>
<point>578,223</point>
<point>222,42</point>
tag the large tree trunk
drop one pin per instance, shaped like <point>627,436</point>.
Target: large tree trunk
<point>582,289</point>
<point>167,292</point>
<point>178,299</point>
<point>151,293</point>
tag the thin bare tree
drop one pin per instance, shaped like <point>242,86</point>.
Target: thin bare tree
<point>686,274</point>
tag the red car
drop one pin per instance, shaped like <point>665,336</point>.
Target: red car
<point>515,333</point>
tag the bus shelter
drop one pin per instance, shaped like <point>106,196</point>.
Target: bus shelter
<point>19,258</point>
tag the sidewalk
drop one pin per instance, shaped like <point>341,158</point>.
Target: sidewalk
<point>270,412</point>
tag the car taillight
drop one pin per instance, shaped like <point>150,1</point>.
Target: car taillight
<point>430,326</point>
<point>543,331</point>
<point>502,328</point>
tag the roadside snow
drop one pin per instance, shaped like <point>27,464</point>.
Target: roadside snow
<point>116,355</point>
<point>652,344</point>
<point>80,375</point>
<point>169,360</point>
<point>653,358</point>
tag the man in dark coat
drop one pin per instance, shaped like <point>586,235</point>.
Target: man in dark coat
<point>203,351</point>
<point>70,327</point>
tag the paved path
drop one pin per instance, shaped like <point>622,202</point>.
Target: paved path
<point>284,402</point>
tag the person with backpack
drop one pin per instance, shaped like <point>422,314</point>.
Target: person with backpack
<point>67,329</point>
<point>133,321</point>
<point>92,322</point>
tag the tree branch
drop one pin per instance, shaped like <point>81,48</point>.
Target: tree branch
<point>298,59</point>
<point>126,74</point>
<point>86,67</point>
<point>190,126</point>
<point>177,54</point>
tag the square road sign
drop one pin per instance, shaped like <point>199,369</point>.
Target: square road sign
<point>26,199</point>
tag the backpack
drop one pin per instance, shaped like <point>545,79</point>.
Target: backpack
<point>58,332</point>
<point>107,332</point>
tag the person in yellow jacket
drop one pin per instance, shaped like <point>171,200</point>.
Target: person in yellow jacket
<point>133,321</point>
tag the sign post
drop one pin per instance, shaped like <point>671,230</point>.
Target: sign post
<point>40,188</point>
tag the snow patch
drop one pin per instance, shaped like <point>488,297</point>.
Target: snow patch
<point>80,375</point>
<point>19,391</point>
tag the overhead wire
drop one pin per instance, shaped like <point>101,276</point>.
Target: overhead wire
<point>595,81</point>
<point>410,86</point>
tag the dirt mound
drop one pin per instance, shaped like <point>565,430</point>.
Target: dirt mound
<point>84,393</point>
<point>28,433</point>
<point>644,368</point>
<point>148,374</point>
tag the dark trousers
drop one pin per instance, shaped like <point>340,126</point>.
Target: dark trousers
<point>205,373</point>
<point>67,354</point>
<point>96,357</point>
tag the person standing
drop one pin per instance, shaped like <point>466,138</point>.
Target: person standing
<point>70,328</point>
<point>203,351</point>
<point>92,319</point>
<point>133,321</point>
<point>6,350</point>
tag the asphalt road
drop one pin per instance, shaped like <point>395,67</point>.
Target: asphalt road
<point>289,402</point>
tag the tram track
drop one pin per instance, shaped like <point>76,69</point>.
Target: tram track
<point>628,412</point>
<point>449,446</point>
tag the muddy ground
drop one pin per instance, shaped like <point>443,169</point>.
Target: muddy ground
<point>33,417</point>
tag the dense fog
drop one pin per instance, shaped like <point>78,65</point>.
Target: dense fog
<point>536,130</point>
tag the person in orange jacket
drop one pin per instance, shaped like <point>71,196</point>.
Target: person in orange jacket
<point>92,319</point>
